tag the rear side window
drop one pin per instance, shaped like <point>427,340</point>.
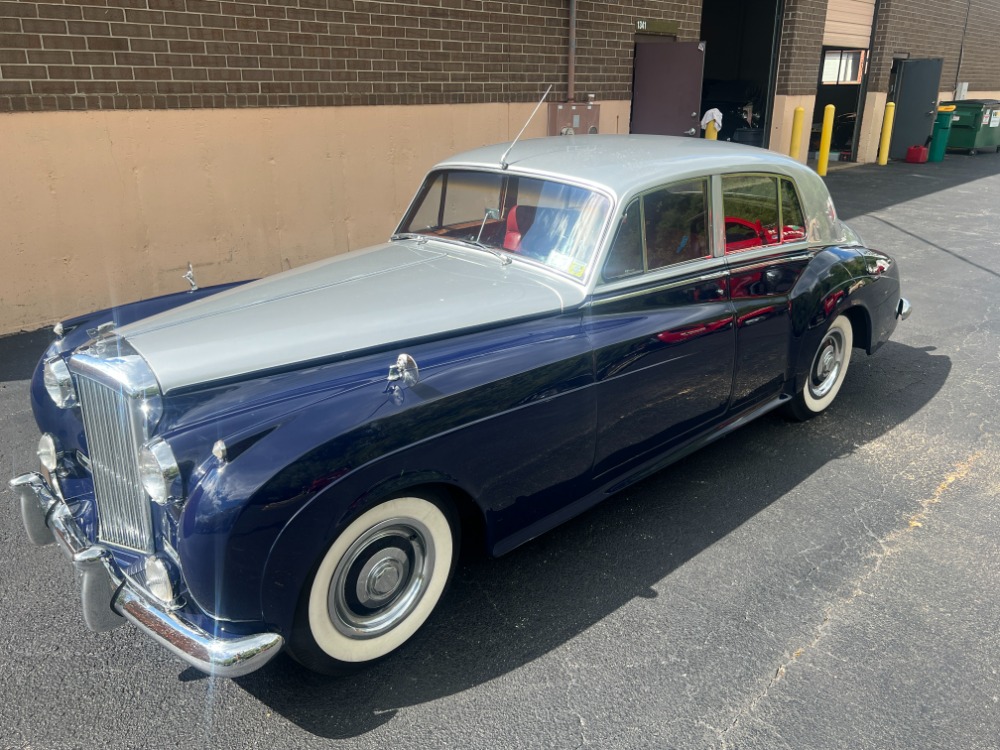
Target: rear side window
<point>662,228</point>
<point>760,211</point>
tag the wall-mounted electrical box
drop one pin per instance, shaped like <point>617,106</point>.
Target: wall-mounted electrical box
<point>567,118</point>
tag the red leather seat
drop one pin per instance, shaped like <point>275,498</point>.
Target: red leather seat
<point>519,220</point>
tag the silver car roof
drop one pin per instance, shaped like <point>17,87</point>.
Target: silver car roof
<point>625,163</point>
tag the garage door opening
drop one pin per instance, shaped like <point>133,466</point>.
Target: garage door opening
<point>740,50</point>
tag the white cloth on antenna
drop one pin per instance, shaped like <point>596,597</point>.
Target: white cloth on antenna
<point>712,114</point>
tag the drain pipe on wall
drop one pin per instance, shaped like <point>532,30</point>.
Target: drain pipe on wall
<point>571,62</point>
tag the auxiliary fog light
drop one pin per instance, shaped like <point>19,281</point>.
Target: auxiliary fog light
<point>48,452</point>
<point>59,383</point>
<point>159,579</point>
<point>159,472</point>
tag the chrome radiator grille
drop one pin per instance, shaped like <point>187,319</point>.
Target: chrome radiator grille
<point>113,440</point>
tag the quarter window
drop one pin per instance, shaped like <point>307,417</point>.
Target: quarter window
<point>660,229</point>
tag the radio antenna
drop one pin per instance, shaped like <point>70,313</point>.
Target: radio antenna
<point>503,159</point>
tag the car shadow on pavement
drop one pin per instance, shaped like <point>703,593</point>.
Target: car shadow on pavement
<point>502,614</point>
<point>867,188</point>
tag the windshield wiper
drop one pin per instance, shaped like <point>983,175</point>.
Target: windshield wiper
<point>504,257</point>
<point>491,213</point>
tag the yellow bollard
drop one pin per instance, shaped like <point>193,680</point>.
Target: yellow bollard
<point>796,143</point>
<point>824,140</point>
<point>711,134</point>
<point>883,141</point>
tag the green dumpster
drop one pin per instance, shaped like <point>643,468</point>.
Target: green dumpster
<point>976,125</point>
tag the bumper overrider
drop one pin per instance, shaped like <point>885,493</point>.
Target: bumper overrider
<point>109,599</point>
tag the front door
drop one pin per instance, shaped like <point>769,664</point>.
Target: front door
<point>666,87</point>
<point>661,327</point>
<point>915,91</point>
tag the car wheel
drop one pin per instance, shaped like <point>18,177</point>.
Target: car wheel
<point>376,584</point>
<point>826,371</point>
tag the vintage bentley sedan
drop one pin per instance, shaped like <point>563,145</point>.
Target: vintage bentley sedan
<point>294,463</point>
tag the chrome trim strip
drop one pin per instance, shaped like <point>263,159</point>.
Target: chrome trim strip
<point>771,261</point>
<point>652,288</point>
<point>108,602</point>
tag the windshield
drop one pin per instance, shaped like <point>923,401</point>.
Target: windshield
<point>549,222</point>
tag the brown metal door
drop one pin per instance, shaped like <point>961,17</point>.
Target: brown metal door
<point>666,87</point>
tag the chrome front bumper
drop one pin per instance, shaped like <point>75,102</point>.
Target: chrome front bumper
<point>903,308</point>
<point>109,600</point>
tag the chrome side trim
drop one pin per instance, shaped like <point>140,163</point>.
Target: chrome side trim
<point>672,283</point>
<point>771,261</point>
<point>108,600</point>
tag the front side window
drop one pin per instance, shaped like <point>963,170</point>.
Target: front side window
<point>662,228</point>
<point>546,221</point>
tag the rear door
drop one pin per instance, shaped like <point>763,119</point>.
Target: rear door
<point>666,87</point>
<point>766,251</point>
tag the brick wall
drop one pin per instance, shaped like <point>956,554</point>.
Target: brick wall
<point>801,46</point>
<point>933,28</point>
<point>116,54</point>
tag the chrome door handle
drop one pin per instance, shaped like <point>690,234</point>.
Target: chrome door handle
<point>692,131</point>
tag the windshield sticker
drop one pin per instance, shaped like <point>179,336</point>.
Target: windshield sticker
<point>566,264</point>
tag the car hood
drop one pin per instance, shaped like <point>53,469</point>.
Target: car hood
<point>373,298</point>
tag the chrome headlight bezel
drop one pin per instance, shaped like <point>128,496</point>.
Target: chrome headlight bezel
<point>159,473</point>
<point>59,382</point>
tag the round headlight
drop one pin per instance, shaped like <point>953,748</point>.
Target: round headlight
<point>59,383</point>
<point>159,582</point>
<point>48,452</point>
<point>159,472</point>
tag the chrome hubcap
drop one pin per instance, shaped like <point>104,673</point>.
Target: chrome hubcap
<point>381,578</point>
<point>827,365</point>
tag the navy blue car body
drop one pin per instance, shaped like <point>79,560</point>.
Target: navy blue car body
<point>511,427</point>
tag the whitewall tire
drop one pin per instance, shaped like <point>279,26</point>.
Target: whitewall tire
<point>827,370</point>
<point>378,583</point>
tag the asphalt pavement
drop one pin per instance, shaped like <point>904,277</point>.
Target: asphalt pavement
<point>823,585</point>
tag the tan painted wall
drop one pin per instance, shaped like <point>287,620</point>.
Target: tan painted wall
<point>871,126</point>
<point>781,123</point>
<point>101,208</point>
<point>848,23</point>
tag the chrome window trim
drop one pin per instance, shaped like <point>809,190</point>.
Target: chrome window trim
<point>718,218</point>
<point>649,286</point>
<point>666,274</point>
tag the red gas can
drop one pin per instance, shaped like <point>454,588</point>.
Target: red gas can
<point>916,154</point>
